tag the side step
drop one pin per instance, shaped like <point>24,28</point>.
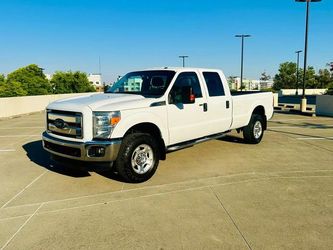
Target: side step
<point>191,143</point>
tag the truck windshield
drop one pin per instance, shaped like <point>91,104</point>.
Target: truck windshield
<point>151,83</point>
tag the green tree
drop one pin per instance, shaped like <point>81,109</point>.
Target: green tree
<point>324,78</point>
<point>10,89</point>
<point>2,85</point>
<point>265,77</point>
<point>71,82</point>
<point>310,77</point>
<point>2,78</point>
<point>32,80</point>
<point>13,89</point>
<point>286,78</point>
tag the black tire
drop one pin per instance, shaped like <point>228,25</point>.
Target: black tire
<point>250,132</point>
<point>128,153</point>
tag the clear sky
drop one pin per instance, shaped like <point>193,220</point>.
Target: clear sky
<point>136,34</point>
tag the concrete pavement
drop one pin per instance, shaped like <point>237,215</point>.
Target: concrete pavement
<point>221,194</point>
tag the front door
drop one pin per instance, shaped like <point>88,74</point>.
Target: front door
<point>186,121</point>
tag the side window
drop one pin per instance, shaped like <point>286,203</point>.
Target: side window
<point>214,84</point>
<point>185,79</point>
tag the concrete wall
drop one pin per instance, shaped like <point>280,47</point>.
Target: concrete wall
<point>283,92</point>
<point>14,106</point>
<point>276,99</point>
<point>324,105</point>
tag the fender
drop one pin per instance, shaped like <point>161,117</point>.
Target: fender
<point>143,116</point>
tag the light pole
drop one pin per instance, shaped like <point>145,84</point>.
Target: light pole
<point>242,57</point>
<point>183,57</point>
<point>303,102</point>
<point>297,52</point>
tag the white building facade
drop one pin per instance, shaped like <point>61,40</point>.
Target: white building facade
<point>250,84</point>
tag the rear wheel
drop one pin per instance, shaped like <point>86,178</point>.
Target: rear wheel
<point>254,131</point>
<point>138,158</point>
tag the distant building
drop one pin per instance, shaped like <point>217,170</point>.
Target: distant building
<point>250,84</point>
<point>266,84</point>
<point>133,84</point>
<point>234,83</point>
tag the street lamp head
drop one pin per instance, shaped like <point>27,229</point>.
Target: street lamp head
<point>304,1</point>
<point>299,51</point>
<point>242,35</point>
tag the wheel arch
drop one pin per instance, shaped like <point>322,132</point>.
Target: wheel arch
<point>260,110</point>
<point>154,131</point>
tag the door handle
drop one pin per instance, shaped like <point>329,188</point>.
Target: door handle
<point>227,104</point>
<point>205,106</point>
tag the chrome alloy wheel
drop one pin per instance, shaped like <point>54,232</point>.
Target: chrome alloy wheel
<point>142,159</point>
<point>257,129</point>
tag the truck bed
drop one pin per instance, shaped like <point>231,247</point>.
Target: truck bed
<point>244,103</point>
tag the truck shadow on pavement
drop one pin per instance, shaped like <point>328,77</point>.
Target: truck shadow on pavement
<point>233,139</point>
<point>40,157</point>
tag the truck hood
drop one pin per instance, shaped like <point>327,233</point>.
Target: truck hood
<point>102,102</point>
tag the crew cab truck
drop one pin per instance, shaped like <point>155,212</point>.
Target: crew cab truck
<point>147,114</point>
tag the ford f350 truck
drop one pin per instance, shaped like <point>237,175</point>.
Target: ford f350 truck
<point>147,114</point>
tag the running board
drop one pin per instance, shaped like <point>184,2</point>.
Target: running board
<point>191,143</point>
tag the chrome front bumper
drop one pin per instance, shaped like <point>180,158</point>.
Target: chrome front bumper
<point>80,150</point>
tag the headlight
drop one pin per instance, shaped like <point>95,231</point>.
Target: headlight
<point>104,123</point>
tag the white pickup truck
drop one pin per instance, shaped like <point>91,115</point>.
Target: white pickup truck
<point>149,113</point>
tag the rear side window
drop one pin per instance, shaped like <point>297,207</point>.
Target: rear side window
<point>214,84</point>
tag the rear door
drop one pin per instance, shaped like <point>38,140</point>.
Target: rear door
<point>186,121</point>
<point>219,107</point>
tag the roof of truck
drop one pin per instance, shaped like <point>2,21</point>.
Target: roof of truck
<point>182,69</point>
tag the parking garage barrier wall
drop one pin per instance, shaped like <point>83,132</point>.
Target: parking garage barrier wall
<point>15,106</point>
<point>324,105</point>
<point>284,92</point>
<point>275,99</point>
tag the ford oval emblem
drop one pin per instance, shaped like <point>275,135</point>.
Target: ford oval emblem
<point>60,123</point>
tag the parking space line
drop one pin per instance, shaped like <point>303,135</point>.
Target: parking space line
<point>178,191</point>
<point>15,196</point>
<point>15,217</point>
<point>136,189</point>
<point>11,136</point>
<point>285,127</point>
<point>230,217</point>
<point>302,119</point>
<point>298,127</point>
<point>20,228</point>
<point>7,150</point>
<point>267,175</point>
<point>19,142</point>
<point>314,138</point>
<point>18,128</point>
<point>161,193</point>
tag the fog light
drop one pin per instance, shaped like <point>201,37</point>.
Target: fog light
<point>96,151</point>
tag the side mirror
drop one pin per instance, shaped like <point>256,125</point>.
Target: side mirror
<point>188,96</point>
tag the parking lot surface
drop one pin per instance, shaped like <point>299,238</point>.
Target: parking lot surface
<point>222,194</point>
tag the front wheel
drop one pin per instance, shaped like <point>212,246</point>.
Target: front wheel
<point>254,131</point>
<point>138,158</point>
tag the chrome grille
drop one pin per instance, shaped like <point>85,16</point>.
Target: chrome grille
<point>65,123</point>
